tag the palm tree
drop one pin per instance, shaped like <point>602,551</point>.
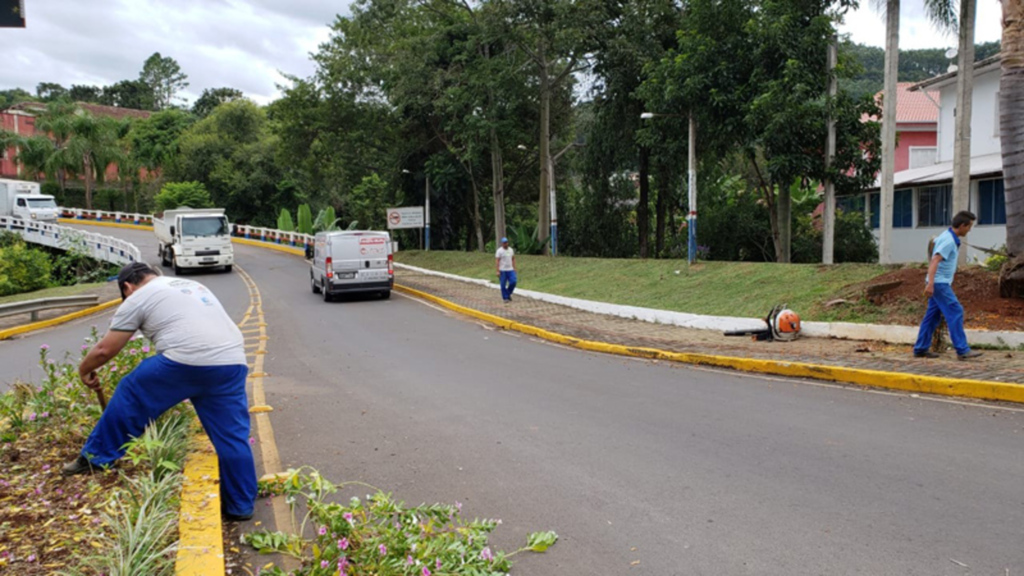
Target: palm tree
<point>95,141</point>
<point>1011,129</point>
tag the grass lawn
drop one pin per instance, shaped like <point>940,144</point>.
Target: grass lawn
<point>714,288</point>
<point>53,292</point>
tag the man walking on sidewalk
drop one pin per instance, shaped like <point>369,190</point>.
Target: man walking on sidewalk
<point>939,290</point>
<point>505,259</point>
<point>200,357</point>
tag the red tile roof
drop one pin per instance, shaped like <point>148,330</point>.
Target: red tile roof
<point>914,107</point>
<point>94,109</point>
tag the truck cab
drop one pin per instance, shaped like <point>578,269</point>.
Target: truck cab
<point>20,199</point>
<point>194,238</point>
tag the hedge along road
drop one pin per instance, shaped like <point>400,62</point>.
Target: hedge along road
<point>639,466</point>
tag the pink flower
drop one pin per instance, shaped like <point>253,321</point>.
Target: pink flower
<point>458,505</point>
<point>437,564</point>
<point>383,550</point>
<point>44,347</point>
<point>323,532</point>
<point>485,554</point>
<point>343,544</point>
<point>342,565</point>
<point>324,563</point>
<point>145,349</point>
<point>32,417</point>
<point>408,560</point>
<point>426,571</point>
<point>347,516</point>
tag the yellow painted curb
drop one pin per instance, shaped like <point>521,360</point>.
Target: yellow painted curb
<point>107,224</point>
<point>270,245</point>
<point>201,543</point>
<point>7,333</point>
<point>985,390</point>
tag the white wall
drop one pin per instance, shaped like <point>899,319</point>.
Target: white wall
<point>984,137</point>
<point>911,244</point>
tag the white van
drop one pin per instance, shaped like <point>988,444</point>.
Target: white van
<point>352,261</point>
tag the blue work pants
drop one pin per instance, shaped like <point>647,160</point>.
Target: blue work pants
<point>218,395</point>
<point>507,281</point>
<point>943,303</point>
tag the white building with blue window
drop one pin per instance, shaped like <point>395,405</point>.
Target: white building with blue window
<point>923,200</point>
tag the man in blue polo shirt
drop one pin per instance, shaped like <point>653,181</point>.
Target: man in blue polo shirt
<point>939,289</point>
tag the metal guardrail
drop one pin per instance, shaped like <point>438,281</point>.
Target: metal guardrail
<point>97,246</point>
<point>34,307</point>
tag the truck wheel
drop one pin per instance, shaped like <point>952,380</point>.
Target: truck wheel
<point>385,295</point>
<point>177,269</point>
<point>313,284</point>
<point>227,269</point>
<point>327,294</point>
<point>163,258</point>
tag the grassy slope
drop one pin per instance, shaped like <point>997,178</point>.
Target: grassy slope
<point>715,288</point>
<point>53,292</point>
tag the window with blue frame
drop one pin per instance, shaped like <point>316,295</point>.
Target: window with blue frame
<point>902,209</point>
<point>850,203</point>
<point>934,204</point>
<point>991,202</point>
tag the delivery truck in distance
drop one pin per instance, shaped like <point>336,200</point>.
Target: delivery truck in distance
<point>20,199</point>
<point>191,238</point>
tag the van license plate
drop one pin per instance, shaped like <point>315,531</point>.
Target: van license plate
<point>208,259</point>
<point>346,275</point>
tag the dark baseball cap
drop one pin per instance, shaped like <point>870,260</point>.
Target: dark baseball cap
<point>133,273</point>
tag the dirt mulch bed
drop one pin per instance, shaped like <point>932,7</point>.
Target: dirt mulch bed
<point>48,522</point>
<point>976,288</point>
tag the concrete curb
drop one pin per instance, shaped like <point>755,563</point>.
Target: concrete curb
<point>871,378</point>
<point>201,541</point>
<point>895,334</point>
<point>9,332</point>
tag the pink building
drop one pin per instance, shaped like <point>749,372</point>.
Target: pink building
<point>20,119</point>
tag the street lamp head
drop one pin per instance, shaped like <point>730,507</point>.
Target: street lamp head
<point>647,115</point>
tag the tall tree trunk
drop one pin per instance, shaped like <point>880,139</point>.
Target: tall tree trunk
<point>964,97</point>
<point>497,187</point>
<point>892,59</point>
<point>643,211</point>
<point>829,213</point>
<point>1011,129</point>
<point>543,208</point>
<point>88,182</point>
<point>662,182</point>
<point>783,249</point>
<point>768,192</point>
<point>478,227</point>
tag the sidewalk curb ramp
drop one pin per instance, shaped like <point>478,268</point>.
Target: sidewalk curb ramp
<point>923,384</point>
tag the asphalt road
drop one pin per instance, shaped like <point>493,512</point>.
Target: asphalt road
<point>641,467</point>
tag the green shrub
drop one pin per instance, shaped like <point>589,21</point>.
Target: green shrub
<point>994,263</point>
<point>177,194</point>
<point>305,219</point>
<point>23,269</point>
<point>284,221</point>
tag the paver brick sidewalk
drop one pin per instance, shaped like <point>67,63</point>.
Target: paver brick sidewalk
<point>995,365</point>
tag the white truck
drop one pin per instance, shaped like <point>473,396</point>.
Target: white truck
<point>194,238</point>
<point>20,199</point>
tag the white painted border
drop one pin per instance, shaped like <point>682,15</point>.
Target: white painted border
<point>894,334</point>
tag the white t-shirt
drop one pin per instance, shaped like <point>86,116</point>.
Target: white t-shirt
<point>504,257</point>
<point>185,322</point>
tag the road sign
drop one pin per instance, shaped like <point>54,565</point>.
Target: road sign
<point>408,217</point>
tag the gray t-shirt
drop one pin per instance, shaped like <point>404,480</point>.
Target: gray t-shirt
<point>185,322</point>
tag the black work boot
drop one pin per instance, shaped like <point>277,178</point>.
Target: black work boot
<point>79,465</point>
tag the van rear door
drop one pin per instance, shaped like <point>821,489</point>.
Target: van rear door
<point>360,256</point>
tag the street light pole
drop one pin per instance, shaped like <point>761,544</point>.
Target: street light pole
<point>691,192</point>
<point>691,183</point>
<point>426,221</point>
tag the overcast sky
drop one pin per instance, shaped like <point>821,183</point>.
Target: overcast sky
<point>244,44</point>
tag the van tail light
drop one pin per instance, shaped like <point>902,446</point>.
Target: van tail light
<point>391,264</point>
<point>330,268</point>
